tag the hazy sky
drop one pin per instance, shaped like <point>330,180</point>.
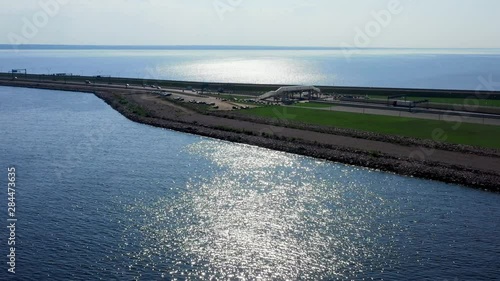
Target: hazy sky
<point>409,23</point>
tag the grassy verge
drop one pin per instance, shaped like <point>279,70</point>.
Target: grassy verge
<point>469,134</point>
<point>132,107</point>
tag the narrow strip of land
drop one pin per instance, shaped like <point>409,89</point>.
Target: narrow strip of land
<point>457,164</point>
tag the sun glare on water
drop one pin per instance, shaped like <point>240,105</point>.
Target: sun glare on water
<point>262,214</point>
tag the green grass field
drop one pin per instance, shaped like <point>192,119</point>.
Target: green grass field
<point>471,134</point>
<point>482,102</point>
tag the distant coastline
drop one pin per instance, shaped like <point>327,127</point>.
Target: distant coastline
<point>162,47</point>
<point>233,47</point>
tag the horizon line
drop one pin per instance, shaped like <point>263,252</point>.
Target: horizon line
<point>214,47</point>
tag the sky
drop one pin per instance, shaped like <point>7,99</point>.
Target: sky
<point>328,23</point>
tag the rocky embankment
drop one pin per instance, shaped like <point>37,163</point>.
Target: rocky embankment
<point>428,169</point>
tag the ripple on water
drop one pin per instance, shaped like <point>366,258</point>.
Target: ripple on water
<point>265,214</point>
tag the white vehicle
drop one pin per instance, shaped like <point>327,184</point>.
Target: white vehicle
<point>403,103</point>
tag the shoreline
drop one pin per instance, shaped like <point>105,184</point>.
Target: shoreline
<point>142,107</point>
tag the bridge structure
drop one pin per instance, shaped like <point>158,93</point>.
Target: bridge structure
<point>291,92</point>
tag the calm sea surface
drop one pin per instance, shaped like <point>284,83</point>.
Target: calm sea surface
<point>450,69</point>
<point>101,197</point>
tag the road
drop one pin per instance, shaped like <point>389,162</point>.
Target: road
<point>187,95</point>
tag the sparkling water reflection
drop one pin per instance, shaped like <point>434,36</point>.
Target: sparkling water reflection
<point>271,215</point>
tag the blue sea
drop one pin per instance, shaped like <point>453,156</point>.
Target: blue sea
<point>99,197</point>
<point>409,68</point>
